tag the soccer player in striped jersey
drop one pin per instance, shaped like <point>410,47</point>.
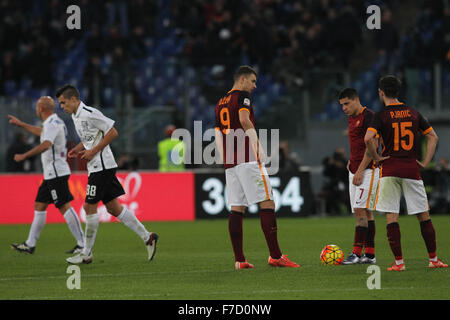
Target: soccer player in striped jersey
<point>363,178</point>
<point>399,127</point>
<point>55,188</point>
<point>247,181</point>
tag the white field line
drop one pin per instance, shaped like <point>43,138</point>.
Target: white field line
<point>107,275</point>
<point>238,292</point>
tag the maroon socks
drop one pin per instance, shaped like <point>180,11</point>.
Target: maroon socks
<point>235,230</point>
<point>369,247</point>
<point>429,236</point>
<point>393,234</point>
<point>360,239</point>
<point>269,227</point>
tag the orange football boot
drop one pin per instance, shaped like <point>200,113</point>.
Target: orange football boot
<point>283,262</point>
<point>437,264</point>
<point>243,265</point>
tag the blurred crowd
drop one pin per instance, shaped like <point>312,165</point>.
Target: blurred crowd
<point>290,38</point>
<point>284,38</point>
<point>34,36</point>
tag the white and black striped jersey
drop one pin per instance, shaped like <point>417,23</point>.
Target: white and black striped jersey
<point>91,126</point>
<point>54,159</point>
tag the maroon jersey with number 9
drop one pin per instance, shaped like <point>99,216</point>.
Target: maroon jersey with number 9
<point>236,145</point>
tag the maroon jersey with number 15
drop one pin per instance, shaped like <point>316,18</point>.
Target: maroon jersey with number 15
<point>399,127</point>
<point>236,145</point>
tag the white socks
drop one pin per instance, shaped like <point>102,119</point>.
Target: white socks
<point>36,227</point>
<point>129,219</point>
<point>91,232</point>
<point>74,225</point>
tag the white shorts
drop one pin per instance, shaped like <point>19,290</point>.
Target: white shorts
<point>247,184</point>
<point>390,190</point>
<point>364,195</point>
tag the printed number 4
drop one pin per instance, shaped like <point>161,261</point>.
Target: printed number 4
<point>91,190</point>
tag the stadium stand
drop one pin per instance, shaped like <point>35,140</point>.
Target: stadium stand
<point>163,55</point>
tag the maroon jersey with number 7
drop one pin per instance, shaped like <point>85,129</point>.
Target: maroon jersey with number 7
<point>357,127</point>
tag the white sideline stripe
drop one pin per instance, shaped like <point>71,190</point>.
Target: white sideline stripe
<point>105,275</point>
<point>168,294</point>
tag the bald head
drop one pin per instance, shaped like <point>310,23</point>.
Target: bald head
<point>46,103</point>
<point>45,106</point>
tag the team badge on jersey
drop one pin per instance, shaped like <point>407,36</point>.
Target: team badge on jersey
<point>247,102</point>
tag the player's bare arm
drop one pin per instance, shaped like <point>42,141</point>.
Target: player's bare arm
<point>30,128</point>
<point>372,145</point>
<point>367,159</point>
<point>73,153</point>
<point>359,174</point>
<point>432,140</point>
<point>35,151</point>
<point>247,125</point>
<point>107,139</point>
<point>219,143</point>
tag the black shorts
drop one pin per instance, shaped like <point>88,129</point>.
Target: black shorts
<point>103,186</point>
<point>55,191</point>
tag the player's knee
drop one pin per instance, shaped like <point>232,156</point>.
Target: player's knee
<point>63,209</point>
<point>268,204</point>
<point>361,217</point>
<point>391,218</point>
<point>90,208</point>
<point>424,216</point>
<point>40,206</point>
<point>114,208</point>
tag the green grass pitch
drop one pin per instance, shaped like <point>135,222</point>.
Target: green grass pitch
<point>194,261</point>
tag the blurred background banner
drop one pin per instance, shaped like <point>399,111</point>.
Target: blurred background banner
<point>293,196</point>
<point>154,196</point>
<point>151,196</point>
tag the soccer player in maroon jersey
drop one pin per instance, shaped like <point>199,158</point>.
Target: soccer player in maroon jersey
<point>247,181</point>
<point>398,126</point>
<point>363,178</point>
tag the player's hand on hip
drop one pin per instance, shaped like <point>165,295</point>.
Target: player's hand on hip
<point>421,165</point>
<point>19,157</point>
<point>14,121</point>
<point>72,153</point>
<point>381,159</point>
<point>87,154</point>
<point>358,178</point>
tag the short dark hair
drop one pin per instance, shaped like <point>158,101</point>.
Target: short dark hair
<point>350,93</point>
<point>68,91</point>
<point>244,70</point>
<point>391,86</point>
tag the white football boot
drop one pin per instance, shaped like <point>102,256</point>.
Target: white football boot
<point>80,258</point>
<point>151,245</point>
